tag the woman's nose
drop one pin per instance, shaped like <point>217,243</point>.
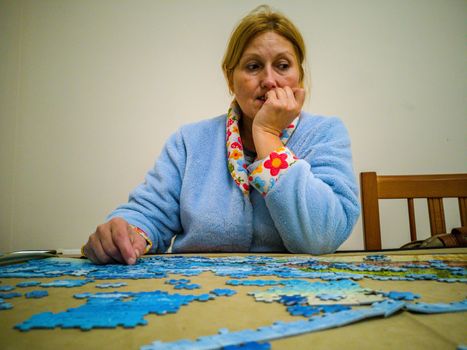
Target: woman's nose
<point>268,79</point>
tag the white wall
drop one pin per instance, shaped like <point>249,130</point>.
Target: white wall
<point>90,90</point>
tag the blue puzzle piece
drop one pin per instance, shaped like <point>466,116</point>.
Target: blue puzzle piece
<point>290,300</point>
<point>104,295</point>
<point>422,276</point>
<point>303,310</point>
<point>177,281</point>
<point>66,283</point>
<point>377,257</point>
<point>389,307</point>
<point>401,295</point>
<point>10,295</point>
<point>182,283</point>
<point>111,285</point>
<point>252,282</point>
<point>26,284</point>
<point>326,296</point>
<point>187,286</point>
<point>437,308</point>
<point>204,297</point>
<point>223,292</point>
<point>333,308</point>
<point>249,346</point>
<point>5,306</point>
<point>6,288</point>
<point>36,294</point>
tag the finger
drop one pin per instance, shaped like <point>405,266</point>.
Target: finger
<point>121,239</point>
<point>299,95</point>
<point>281,94</point>
<point>290,94</point>
<point>88,253</point>
<point>96,250</point>
<point>271,95</point>
<point>104,234</point>
<point>139,244</point>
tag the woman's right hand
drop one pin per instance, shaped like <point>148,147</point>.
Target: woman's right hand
<point>114,242</point>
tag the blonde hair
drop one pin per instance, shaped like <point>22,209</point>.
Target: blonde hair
<point>261,20</point>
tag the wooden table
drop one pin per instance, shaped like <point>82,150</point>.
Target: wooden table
<point>402,331</point>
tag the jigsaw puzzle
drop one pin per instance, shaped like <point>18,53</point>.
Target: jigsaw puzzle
<point>323,292</point>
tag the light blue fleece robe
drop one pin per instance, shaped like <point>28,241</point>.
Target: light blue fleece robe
<point>191,195</point>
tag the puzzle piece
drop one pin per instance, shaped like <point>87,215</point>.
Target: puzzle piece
<point>66,283</point>
<point>10,295</point>
<point>36,294</point>
<point>290,300</point>
<point>187,286</point>
<point>303,310</point>
<point>377,257</point>
<point>333,308</point>
<point>401,295</point>
<point>111,285</point>
<point>437,308</point>
<point>177,281</point>
<point>205,297</point>
<point>252,282</point>
<point>249,346</point>
<point>4,305</point>
<point>26,284</point>
<point>6,288</point>
<point>326,297</point>
<point>223,292</point>
<point>182,283</point>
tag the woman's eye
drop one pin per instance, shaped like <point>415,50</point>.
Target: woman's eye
<point>283,66</point>
<point>252,66</point>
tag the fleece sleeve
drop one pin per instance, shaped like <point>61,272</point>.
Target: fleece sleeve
<point>314,204</point>
<point>154,205</point>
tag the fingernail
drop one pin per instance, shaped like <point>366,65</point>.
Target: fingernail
<point>131,261</point>
<point>138,254</point>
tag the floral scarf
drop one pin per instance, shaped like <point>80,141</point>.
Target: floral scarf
<point>239,169</point>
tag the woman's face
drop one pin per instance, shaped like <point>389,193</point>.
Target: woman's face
<point>268,62</point>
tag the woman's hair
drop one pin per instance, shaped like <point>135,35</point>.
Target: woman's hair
<point>261,20</point>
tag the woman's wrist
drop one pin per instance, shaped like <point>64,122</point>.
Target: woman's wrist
<point>266,141</point>
<point>143,234</point>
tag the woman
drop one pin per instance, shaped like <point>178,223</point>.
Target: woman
<point>266,177</point>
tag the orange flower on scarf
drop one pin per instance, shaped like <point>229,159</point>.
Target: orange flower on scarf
<point>235,154</point>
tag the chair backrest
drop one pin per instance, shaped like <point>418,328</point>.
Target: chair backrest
<point>432,187</point>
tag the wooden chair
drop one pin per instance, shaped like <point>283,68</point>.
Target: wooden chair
<point>432,187</point>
